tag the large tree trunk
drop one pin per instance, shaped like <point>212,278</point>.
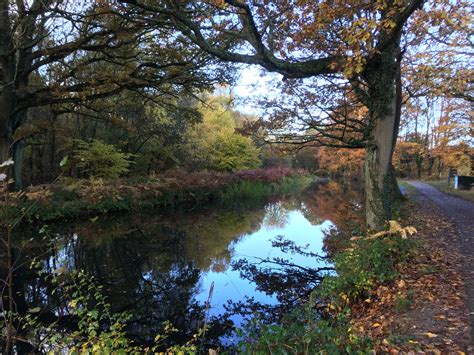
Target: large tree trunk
<point>6,139</point>
<point>396,192</point>
<point>11,149</point>
<point>5,144</point>
<point>379,179</point>
<point>380,183</point>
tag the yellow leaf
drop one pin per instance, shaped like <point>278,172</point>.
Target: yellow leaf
<point>375,325</point>
<point>431,335</point>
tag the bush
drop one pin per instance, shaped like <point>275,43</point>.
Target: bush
<point>361,268</point>
<point>235,152</point>
<point>101,160</point>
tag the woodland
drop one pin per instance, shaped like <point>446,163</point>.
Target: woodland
<point>114,107</point>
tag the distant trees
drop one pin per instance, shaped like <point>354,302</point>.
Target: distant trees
<point>133,136</point>
<point>438,137</point>
<point>437,81</point>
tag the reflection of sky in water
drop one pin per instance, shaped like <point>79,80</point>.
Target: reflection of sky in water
<point>256,246</point>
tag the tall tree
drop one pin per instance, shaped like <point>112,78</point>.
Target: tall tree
<point>79,51</point>
<point>351,40</point>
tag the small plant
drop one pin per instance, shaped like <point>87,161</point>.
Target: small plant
<point>97,329</point>
<point>402,304</point>
<point>101,160</point>
<point>429,269</point>
<point>304,331</point>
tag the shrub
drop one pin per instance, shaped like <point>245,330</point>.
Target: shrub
<point>361,268</point>
<point>101,160</point>
<point>234,152</point>
<point>304,331</point>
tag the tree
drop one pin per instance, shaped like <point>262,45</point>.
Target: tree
<point>355,40</point>
<point>406,153</point>
<point>340,161</point>
<point>67,54</point>
<point>438,82</point>
<point>215,144</point>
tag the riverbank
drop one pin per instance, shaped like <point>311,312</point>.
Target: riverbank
<point>79,199</point>
<point>393,293</point>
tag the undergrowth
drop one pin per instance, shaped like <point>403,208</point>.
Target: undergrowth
<point>73,199</point>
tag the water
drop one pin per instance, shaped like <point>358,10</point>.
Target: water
<point>256,246</point>
<point>180,266</point>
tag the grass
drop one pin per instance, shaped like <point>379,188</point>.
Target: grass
<point>405,187</point>
<point>404,302</point>
<point>442,185</point>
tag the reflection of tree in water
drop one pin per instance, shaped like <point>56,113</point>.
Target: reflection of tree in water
<point>291,284</point>
<point>143,279</point>
<point>338,202</point>
<point>210,239</point>
<point>152,270</point>
<point>276,216</point>
<point>288,282</point>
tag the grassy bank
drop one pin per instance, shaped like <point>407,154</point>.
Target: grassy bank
<point>74,199</point>
<point>442,185</point>
<point>323,323</point>
<point>405,187</point>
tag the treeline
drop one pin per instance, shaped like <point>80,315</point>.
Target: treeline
<point>436,138</point>
<point>136,137</point>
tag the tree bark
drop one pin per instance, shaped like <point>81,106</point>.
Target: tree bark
<point>396,192</point>
<point>379,177</point>
<point>380,183</point>
<point>17,152</point>
<point>6,142</point>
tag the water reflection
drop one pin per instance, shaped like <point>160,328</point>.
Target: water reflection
<point>162,267</point>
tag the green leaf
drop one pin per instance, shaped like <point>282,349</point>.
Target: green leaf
<point>63,161</point>
<point>34,310</point>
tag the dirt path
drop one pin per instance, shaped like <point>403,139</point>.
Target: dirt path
<point>461,213</point>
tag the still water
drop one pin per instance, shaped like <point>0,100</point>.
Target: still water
<point>186,266</point>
